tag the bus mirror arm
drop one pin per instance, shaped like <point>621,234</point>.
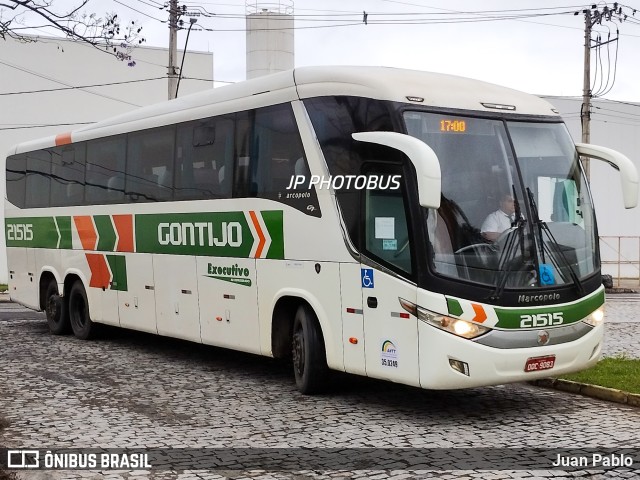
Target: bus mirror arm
<point>423,158</point>
<point>628,171</point>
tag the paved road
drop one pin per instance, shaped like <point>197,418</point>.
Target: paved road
<point>135,390</point>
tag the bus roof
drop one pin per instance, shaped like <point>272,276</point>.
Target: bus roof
<point>382,83</point>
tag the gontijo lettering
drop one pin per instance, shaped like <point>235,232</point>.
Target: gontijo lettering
<point>200,233</point>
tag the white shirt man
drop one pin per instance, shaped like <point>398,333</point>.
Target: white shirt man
<point>500,220</point>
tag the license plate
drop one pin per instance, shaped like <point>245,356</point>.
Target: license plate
<point>536,364</point>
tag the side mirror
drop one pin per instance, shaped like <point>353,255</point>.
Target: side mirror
<point>423,158</point>
<point>628,171</point>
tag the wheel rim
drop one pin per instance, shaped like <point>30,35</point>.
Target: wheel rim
<point>77,312</point>
<point>298,352</point>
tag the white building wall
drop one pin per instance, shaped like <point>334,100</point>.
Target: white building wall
<point>55,63</point>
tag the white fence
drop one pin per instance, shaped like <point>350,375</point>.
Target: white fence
<point>620,257</point>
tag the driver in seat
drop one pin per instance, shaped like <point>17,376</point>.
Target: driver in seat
<point>500,220</point>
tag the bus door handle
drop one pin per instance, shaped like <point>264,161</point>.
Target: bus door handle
<point>372,302</point>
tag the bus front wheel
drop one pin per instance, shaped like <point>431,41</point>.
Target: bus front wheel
<point>309,359</point>
<point>81,323</point>
<point>57,318</point>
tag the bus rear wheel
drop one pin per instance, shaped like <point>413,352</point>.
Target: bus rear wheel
<point>307,348</point>
<point>81,324</point>
<point>57,317</point>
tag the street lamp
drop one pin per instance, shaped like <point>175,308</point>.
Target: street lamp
<point>184,54</point>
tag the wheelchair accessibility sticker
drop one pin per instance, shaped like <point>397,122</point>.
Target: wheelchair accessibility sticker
<point>547,276</point>
<point>366,274</point>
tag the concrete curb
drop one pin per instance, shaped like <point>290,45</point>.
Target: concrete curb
<point>593,391</point>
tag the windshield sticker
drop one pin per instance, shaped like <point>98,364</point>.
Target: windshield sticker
<point>547,276</point>
<point>385,228</point>
<point>390,244</point>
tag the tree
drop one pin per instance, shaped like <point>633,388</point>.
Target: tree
<point>109,33</point>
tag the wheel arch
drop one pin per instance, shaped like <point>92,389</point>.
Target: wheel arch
<point>286,303</point>
<point>46,275</point>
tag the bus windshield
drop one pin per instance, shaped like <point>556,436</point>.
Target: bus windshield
<point>515,209</point>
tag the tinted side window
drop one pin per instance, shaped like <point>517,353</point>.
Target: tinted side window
<point>16,179</point>
<point>243,184</point>
<point>386,229</point>
<point>150,165</point>
<point>204,159</point>
<point>276,157</point>
<point>67,175</point>
<point>334,119</point>
<point>105,170</point>
<point>38,178</point>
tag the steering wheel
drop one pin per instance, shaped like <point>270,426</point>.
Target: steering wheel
<point>483,251</point>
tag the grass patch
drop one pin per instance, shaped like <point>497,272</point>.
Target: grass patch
<point>614,372</point>
<point>3,287</point>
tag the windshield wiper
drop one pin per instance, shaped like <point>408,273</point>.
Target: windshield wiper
<point>543,227</point>
<point>509,247</point>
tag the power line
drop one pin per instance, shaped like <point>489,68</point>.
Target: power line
<point>80,86</point>
<point>105,85</point>
<point>46,77</point>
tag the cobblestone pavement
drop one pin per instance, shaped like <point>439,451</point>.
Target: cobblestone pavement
<point>130,390</point>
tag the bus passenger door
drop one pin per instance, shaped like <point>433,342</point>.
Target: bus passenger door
<point>391,333</point>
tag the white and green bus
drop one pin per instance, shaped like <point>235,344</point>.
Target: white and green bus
<point>332,215</point>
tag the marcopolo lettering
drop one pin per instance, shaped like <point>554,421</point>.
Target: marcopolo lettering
<point>201,234</point>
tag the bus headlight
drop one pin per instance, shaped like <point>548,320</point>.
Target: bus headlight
<point>596,318</point>
<point>457,326</point>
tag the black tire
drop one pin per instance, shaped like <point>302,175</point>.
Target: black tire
<point>307,348</point>
<point>81,323</point>
<point>54,307</point>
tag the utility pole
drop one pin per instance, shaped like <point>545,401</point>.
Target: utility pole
<point>173,48</point>
<point>592,16</point>
<point>585,111</point>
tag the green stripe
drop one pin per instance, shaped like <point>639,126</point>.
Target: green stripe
<point>64,225</point>
<point>118,266</point>
<point>106,233</point>
<point>31,232</point>
<point>221,234</point>
<point>274,223</point>
<point>454,307</point>
<point>511,318</point>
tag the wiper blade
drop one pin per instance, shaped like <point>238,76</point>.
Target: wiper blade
<point>506,258</point>
<point>543,227</point>
<point>509,248</point>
